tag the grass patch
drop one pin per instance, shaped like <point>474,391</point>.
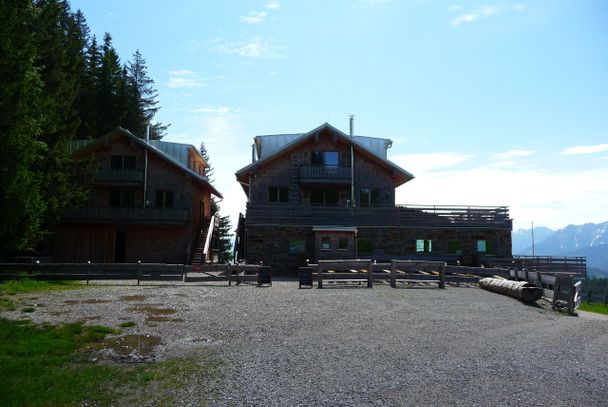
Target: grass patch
<point>6,304</point>
<point>27,285</point>
<point>127,324</point>
<point>43,365</point>
<point>594,307</point>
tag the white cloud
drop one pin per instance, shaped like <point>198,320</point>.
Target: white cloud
<point>598,148</point>
<point>273,5</point>
<point>454,7</point>
<point>483,12</point>
<point>184,78</point>
<point>508,155</point>
<point>255,47</point>
<point>212,110</point>
<point>254,17</point>
<point>418,163</point>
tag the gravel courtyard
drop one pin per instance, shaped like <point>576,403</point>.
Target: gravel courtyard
<point>353,346</point>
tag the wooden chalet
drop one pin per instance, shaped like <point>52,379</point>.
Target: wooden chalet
<point>149,201</point>
<point>326,195</point>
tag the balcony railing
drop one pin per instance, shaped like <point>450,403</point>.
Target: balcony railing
<point>400,215</point>
<point>119,176</point>
<point>324,174</point>
<point>127,215</point>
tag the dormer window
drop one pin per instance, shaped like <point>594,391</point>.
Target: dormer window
<point>325,158</point>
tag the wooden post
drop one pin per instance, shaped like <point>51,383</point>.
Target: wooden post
<point>555,293</point>
<point>442,276</point>
<point>229,274</point>
<point>88,270</point>
<point>319,275</point>
<point>370,274</point>
<point>138,271</point>
<point>184,278</point>
<point>393,274</point>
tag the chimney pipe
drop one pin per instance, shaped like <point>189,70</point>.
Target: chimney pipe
<point>253,153</point>
<point>148,132</point>
<point>352,125</point>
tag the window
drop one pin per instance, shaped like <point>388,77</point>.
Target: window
<point>364,245</point>
<point>121,199</point>
<point>324,196</point>
<point>454,247</point>
<point>325,243</point>
<point>369,197</point>
<point>482,246</point>
<point>278,194</point>
<point>296,246</point>
<point>164,199</point>
<point>325,158</point>
<point>342,243</point>
<point>118,162</point>
<point>424,246</point>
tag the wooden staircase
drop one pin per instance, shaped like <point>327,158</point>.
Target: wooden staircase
<point>203,246</point>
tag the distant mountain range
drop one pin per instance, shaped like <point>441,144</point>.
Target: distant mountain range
<point>589,240</point>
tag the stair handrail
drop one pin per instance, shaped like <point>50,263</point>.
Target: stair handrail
<point>212,222</point>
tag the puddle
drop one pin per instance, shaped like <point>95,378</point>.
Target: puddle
<point>151,310</point>
<point>133,298</point>
<point>91,301</point>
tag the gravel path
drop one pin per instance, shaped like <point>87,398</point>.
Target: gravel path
<point>356,346</point>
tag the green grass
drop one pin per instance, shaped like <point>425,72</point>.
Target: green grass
<point>594,307</point>
<point>127,324</point>
<point>26,285</point>
<point>43,365</point>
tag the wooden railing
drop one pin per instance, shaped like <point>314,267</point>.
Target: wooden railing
<point>126,215</point>
<point>119,176</point>
<point>400,215</point>
<point>322,172</point>
<point>563,266</point>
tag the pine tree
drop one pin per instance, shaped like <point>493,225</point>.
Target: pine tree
<point>21,201</point>
<point>109,114</point>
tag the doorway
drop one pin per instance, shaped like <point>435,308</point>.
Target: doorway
<point>120,243</point>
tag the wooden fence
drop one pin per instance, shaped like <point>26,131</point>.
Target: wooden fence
<point>137,271</point>
<point>557,289</point>
<point>567,266</point>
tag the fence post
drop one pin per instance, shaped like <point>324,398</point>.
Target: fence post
<point>442,275</point>
<point>138,271</point>
<point>555,293</point>
<point>184,278</point>
<point>393,274</point>
<point>88,270</point>
<point>319,275</point>
<point>370,274</point>
<point>458,273</point>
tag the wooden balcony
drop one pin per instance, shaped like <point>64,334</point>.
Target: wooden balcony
<point>119,176</point>
<point>321,174</point>
<point>127,215</point>
<point>400,215</point>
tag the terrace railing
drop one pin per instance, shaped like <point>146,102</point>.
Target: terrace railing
<point>322,173</point>
<point>400,215</point>
<point>119,176</point>
<point>127,215</point>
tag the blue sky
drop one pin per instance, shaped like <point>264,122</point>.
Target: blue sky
<point>488,103</point>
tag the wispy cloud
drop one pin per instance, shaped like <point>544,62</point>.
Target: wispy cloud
<point>217,110</point>
<point>598,148</point>
<point>509,155</point>
<point>273,5</point>
<point>482,13</point>
<point>255,47</point>
<point>184,78</point>
<point>254,17</point>
<point>426,162</point>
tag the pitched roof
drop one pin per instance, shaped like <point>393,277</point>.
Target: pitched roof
<point>369,146</point>
<point>175,154</point>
